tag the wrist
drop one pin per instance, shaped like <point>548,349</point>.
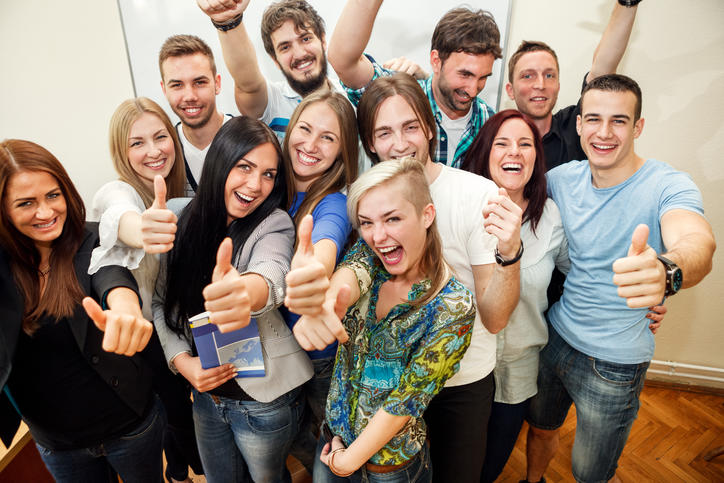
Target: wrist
<point>230,24</point>
<point>505,261</point>
<point>629,3</point>
<point>337,463</point>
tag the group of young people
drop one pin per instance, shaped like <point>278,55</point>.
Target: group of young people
<point>404,311</point>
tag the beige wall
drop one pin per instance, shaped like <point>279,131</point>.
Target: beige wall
<point>65,70</point>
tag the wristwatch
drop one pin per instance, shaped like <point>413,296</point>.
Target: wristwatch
<point>503,262</point>
<point>629,3</point>
<point>674,276</point>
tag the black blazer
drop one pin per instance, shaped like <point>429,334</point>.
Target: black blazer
<point>129,377</point>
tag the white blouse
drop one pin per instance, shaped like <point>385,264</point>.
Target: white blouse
<point>519,343</point>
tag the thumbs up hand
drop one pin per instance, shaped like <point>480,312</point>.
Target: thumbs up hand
<point>317,332</point>
<point>226,296</point>
<point>158,224</point>
<point>123,333</point>
<point>307,280</point>
<point>640,276</point>
<point>502,218</point>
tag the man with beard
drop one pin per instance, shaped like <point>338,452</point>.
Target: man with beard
<point>293,35</point>
<point>533,83</point>
<point>190,83</point>
<point>464,47</point>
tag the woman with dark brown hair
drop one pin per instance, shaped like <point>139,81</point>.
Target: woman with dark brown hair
<point>81,386</point>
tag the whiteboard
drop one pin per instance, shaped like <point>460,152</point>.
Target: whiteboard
<point>399,30</point>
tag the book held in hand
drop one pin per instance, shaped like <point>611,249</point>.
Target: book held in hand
<point>241,347</point>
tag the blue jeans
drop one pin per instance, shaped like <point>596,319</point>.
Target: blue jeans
<point>315,395</point>
<point>239,440</point>
<point>606,395</point>
<point>418,470</point>
<point>135,456</point>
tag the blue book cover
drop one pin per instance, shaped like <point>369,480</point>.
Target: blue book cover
<point>240,347</point>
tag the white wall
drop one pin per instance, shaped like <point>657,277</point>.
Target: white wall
<point>65,70</point>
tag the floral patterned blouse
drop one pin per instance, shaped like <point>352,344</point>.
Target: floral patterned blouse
<point>398,363</point>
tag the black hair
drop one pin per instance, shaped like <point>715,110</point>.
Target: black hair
<point>203,223</point>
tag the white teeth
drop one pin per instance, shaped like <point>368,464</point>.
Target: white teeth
<point>45,225</point>
<point>411,155</point>
<point>605,147</point>
<point>246,198</point>
<point>192,110</point>
<point>512,166</point>
<point>156,164</point>
<point>304,65</point>
<point>387,249</point>
<point>538,99</point>
<point>305,158</point>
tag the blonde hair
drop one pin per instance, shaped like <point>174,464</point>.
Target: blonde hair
<point>409,175</point>
<point>128,112</point>
<point>344,169</point>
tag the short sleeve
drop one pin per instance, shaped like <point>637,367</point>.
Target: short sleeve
<point>680,192</point>
<point>354,95</point>
<point>331,222</point>
<point>112,201</point>
<point>363,262</point>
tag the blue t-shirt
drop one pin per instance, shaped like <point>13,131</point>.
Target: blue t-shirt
<point>599,223</point>
<point>330,223</point>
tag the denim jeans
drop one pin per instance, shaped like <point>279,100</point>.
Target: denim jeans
<point>242,440</point>
<point>606,395</point>
<point>315,393</point>
<point>135,456</point>
<point>418,470</point>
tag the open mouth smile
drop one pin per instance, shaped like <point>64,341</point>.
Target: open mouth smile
<point>391,255</point>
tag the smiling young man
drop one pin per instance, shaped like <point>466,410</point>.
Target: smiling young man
<point>395,121</point>
<point>533,83</point>
<point>464,47</point>
<point>190,83</point>
<point>599,345</point>
<point>293,35</point>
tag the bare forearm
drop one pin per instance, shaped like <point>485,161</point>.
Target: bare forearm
<point>129,229</point>
<point>500,297</point>
<point>349,40</point>
<point>613,42</point>
<point>693,254</point>
<point>240,59</point>
<point>382,427</point>
<point>345,276</point>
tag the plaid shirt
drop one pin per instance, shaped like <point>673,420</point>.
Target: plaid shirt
<point>481,112</point>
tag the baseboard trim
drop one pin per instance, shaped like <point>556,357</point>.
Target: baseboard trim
<point>686,376</point>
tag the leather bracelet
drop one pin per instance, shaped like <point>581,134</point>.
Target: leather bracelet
<point>629,3</point>
<point>330,463</point>
<point>503,262</point>
<point>229,24</point>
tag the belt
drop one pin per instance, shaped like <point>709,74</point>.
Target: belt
<point>386,468</point>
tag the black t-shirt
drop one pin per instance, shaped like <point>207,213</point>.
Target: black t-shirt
<point>49,373</point>
<point>562,143</point>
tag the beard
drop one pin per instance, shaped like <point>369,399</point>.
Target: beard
<point>309,84</point>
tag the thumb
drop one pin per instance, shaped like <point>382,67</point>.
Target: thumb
<point>503,192</point>
<point>95,312</point>
<point>304,236</point>
<point>223,260</point>
<point>638,240</point>
<point>159,192</point>
<point>342,301</point>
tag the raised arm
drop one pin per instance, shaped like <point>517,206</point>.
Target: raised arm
<point>349,40</point>
<point>613,42</point>
<point>250,89</point>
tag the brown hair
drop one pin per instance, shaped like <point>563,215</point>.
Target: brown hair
<point>526,47</point>
<point>385,87</point>
<point>408,175</point>
<point>63,298</point>
<point>616,83</point>
<point>128,112</point>
<point>301,13</point>
<point>344,169</point>
<point>181,45</point>
<point>464,30</point>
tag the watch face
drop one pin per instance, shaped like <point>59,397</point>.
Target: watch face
<point>677,279</point>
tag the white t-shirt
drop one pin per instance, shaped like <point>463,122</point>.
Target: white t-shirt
<point>194,156</point>
<point>454,129</point>
<point>459,198</point>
